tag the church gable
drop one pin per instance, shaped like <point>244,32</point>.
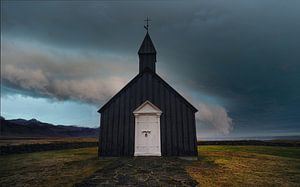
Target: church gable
<point>172,90</point>
<point>145,88</point>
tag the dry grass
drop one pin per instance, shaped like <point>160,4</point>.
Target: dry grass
<point>51,168</point>
<point>22,141</point>
<point>246,166</point>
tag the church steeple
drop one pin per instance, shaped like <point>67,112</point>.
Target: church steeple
<point>147,54</point>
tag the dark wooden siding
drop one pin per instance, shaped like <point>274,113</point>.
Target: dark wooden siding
<point>178,131</point>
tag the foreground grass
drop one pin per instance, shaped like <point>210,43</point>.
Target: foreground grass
<point>50,168</point>
<point>218,166</point>
<point>246,166</point>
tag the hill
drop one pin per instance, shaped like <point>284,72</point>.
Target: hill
<point>35,128</point>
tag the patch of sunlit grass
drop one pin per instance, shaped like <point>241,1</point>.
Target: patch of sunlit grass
<point>50,168</point>
<point>246,166</point>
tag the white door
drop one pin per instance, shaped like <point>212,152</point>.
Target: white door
<point>148,135</point>
<point>147,130</point>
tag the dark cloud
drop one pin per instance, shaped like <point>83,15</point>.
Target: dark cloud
<point>244,54</point>
<point>34,72</point>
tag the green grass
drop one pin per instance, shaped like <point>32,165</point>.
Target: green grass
<point>50,168</point>
<point>289,152</point>
<point>246,166</point>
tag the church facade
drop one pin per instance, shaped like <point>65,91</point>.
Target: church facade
<point>147,117</point>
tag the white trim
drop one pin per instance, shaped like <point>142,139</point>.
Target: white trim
<point>138,110</point>
<point>147,154</point>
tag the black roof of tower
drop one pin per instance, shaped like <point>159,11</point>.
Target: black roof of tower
<point>147,46</point>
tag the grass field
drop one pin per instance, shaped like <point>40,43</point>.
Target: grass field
<point>246,166</point>
<point>218,166</point>
<point>49,168</point>
<point>28,141</point>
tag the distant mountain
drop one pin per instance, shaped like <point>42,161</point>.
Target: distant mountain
<point>35,128</point>
<point>27,122</point>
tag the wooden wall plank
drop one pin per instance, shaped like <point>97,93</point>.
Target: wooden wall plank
<point>134,98</point>
<point>121,125</point>
<point>150,88</point>
<point>190,130</point>
<point>104,130</point>
<point>163,121</point>
<point>127,124</point>
<point>143,82</point>
<point>110,130</point>
<point>179,127</point>
<point>173,124</point>
<point>101,135</point>
<point>194,135</point>
<point>168,143</point>
<point>185,129</point>
<point>115,127</point>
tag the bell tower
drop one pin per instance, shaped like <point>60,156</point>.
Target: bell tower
<point>147,52</point>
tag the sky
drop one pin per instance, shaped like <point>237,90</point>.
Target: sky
<point>236,61</point>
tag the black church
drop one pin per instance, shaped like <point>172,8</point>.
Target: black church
<point>147,117</point>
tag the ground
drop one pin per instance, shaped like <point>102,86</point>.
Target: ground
<point>141,171</point>
<point>217,166</point>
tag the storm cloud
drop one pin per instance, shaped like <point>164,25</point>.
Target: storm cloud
<point>55,76</point>
<point>215,116</point>
<point>40,73</point>
<point>238,61</point>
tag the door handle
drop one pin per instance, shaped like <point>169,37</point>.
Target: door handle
<point>146,132</point>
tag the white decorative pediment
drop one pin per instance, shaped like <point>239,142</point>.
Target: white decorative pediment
<point>147,108</point>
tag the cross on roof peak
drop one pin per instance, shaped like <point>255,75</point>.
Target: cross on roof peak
<point>147,24</point>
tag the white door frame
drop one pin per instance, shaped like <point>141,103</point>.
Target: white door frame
<point>147,111</point>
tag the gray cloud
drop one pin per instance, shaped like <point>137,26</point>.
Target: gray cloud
<point>26,78</point>
<point>59,76</point>
<point>216,116</point>
<point>41,73</point>
<point>94,91</point>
